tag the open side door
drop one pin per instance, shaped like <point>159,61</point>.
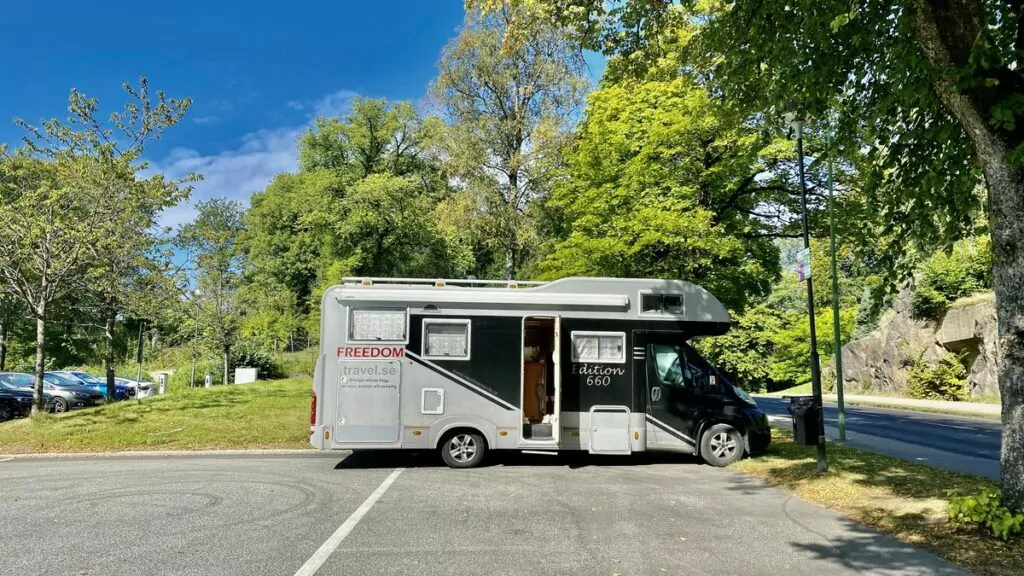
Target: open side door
<point>539,379</point>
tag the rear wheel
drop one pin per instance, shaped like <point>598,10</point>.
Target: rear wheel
<point>6,412</point>
<point>721,445</point>
<point>463,450</point>
<point>60,405</point>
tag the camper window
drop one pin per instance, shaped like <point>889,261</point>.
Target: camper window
<point>599,347</point>
<point>378,326</point>
<point>446,339</point>
<point>673,303</point>
<point>650,302</point>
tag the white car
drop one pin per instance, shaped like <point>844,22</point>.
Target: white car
<point>142,389</point>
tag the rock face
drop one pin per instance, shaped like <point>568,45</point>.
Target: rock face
<point>880,361</point>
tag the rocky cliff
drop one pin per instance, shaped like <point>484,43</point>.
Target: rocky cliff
<point>880,361</point>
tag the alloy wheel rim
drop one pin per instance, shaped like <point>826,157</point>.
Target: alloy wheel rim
<point>723,445</point>
<point>462,448</point>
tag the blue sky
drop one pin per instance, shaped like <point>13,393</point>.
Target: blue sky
<point>257,71</point>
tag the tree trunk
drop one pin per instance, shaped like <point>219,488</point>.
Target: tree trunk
<point>38,404</point>
<point>510,262</point>
<point>946,33</point>
<point>108,357</point>
<point>227,355</point>
<point>4,331</point>
<point>1006,198</point>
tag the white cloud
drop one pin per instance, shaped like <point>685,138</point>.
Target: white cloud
<point>334,104</point>
<point>205,119</point>
<point>237,173</point>
<point>295,105</point>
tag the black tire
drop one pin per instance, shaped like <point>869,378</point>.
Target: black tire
<point>463,449</point>
<point>6,412</point>
<point>60,405</point>
<point>721,445</point>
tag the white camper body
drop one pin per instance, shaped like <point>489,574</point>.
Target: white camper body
<point>471,366</point>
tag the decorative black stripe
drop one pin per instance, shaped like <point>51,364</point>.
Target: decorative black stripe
<point>453,378</point>
<point>678,435</point>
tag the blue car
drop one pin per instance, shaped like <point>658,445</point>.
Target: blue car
<point>121,392</point>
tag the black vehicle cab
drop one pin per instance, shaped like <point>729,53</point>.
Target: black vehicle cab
<point>688,398</point>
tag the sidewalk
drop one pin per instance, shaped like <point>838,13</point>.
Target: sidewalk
<point>910,403</point>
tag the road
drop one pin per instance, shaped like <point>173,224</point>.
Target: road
<point>957,443</point>
<point>372,514</point>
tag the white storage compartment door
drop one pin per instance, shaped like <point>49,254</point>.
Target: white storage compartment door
<point>609,430</point>
<point>369,401</point>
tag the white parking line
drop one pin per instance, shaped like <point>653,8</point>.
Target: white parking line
<point>6,459</point>
<point>332,543</point>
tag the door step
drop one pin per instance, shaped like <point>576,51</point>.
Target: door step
<point>545,452</point>
<point>537,431</point>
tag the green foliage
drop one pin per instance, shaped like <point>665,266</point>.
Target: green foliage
<point>927,302</point>
<point>986,510</point>
<point>745,351</point>
<point>946,380</point>
<point>509,83</point>
<point>662,184</point>
<point>267,366</point>
<point>944,277</point>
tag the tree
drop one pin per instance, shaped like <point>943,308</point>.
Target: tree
<point>932,88</point>
<point>374,137</point>
<point>211,244</point>
<point>66,193</point>
<point>667,181</point>
<point>288,235</point>
<point>510,105</point>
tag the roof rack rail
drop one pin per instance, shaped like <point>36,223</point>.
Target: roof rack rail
<point>439,282</point>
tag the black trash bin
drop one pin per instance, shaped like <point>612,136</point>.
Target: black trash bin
<point>806,415</point>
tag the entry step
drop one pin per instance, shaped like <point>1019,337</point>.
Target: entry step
<point>537,431</point>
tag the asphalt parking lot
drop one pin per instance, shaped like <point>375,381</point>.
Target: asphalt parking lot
<point>330,513</point>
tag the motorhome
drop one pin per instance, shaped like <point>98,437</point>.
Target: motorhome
<point>603,365</point>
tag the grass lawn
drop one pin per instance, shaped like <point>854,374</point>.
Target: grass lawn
<point>261,415</point>
<point>900,498</point>
<point>795,390</point>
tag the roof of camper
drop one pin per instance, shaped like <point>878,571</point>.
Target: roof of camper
<point>613,296</point>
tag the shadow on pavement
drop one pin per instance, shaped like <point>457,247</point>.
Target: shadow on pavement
<point>370,459</point>
<point>865,550</point>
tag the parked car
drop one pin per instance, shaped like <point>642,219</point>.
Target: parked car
<point>120,392</point>
<point>67,394</point>
<point>136,388</point>
<point>14,402</point>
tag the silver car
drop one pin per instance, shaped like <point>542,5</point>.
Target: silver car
<point>67,395</point>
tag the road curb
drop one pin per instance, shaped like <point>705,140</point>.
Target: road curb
<point>144,454</point>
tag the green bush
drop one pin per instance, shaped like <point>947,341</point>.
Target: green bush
<point>986,510</point>
<point>945,381</point>
<point>927,302</point>
<point>945,277</point>
<point>267,367</point>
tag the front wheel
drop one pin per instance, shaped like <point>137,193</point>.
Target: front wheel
<point>6,412</point>
<point>463,450</point>
<point>721,445</point>
<point>60,405</point>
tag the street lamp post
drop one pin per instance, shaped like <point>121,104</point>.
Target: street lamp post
<point>836,333</point>
<point>815,362</point>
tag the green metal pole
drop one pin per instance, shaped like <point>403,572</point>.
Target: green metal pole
<point>835,297</point>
